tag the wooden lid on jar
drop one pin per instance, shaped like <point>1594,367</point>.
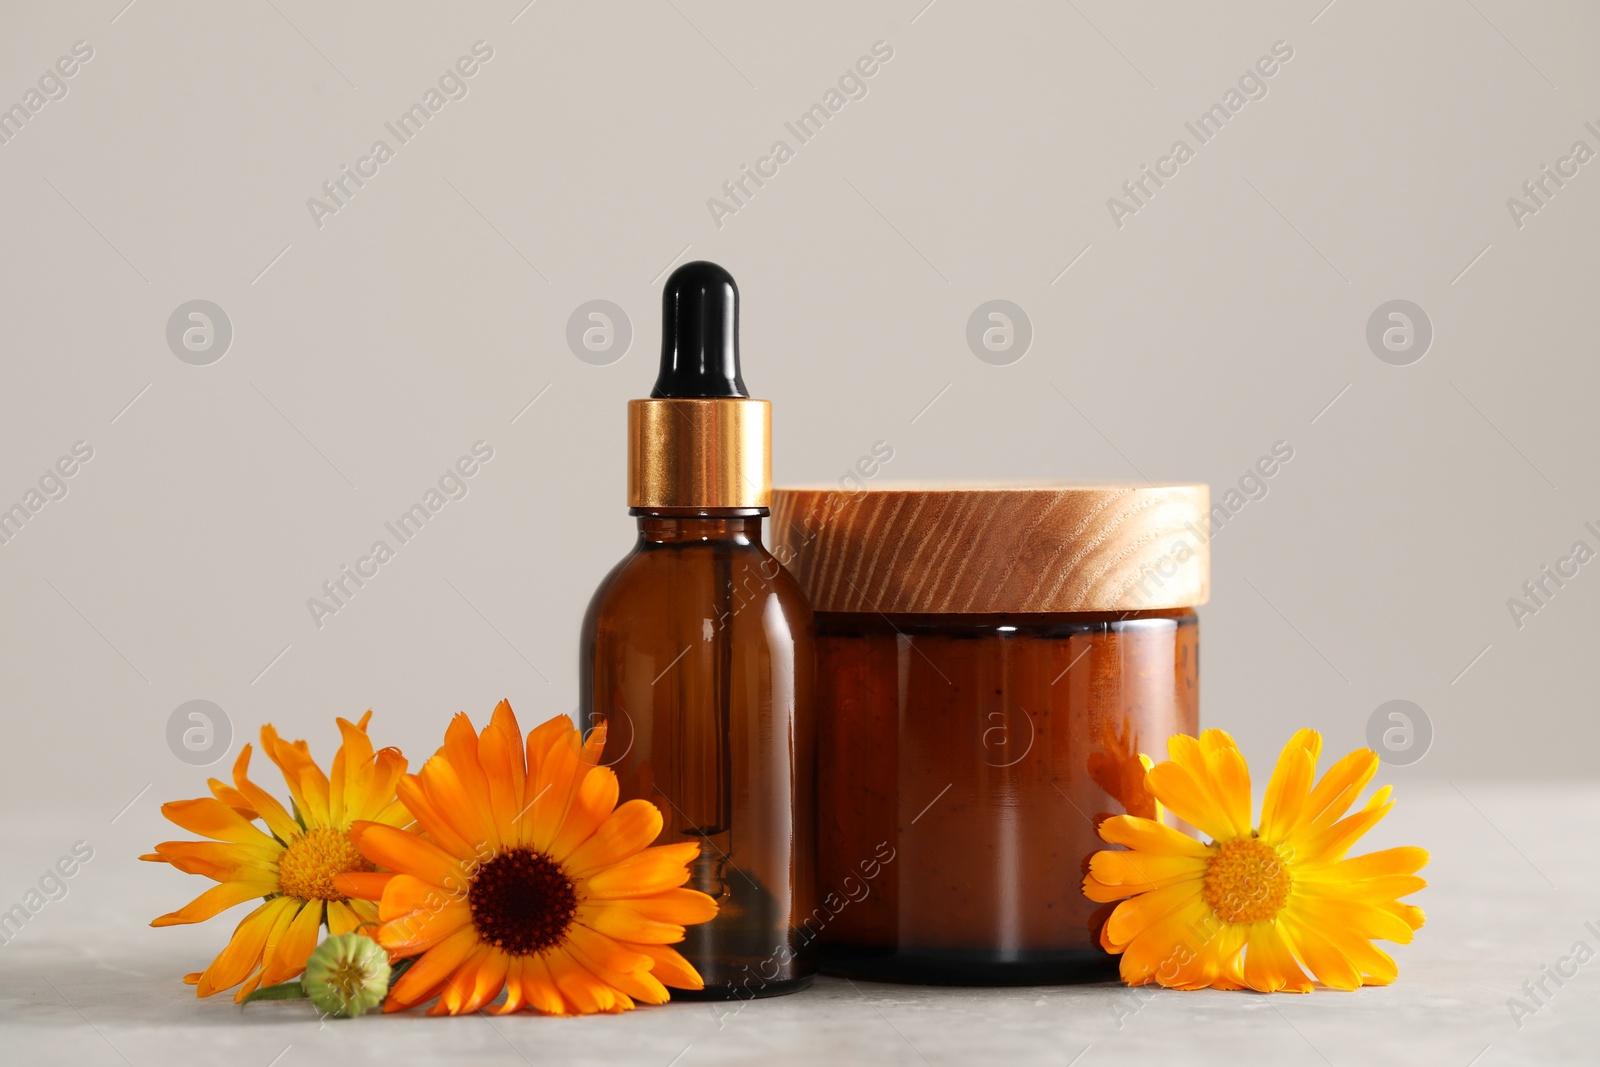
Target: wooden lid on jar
<point>975,548</point>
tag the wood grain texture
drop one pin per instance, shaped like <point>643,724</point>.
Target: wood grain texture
<point>940,548</point>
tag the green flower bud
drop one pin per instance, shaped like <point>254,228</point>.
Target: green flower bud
<point>347,975</point>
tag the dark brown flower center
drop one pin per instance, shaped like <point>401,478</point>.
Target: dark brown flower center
<point>522,902</point>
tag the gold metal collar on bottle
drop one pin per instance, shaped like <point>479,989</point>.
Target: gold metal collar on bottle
<point>712,453</point>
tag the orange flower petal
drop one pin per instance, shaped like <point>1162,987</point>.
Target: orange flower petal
<point>279,821</point>
<point>489,980</point>
<point>461,753</point>
<point>363,885</point>
<point>243,954</point>
<point>1409,914</point>
<point>514,994</point>
<point>500,752</point>
<point>650,871</point>
<point>352,770</point>
<point>578,984</point>
<point>210,817</point>
<point>682,906</point>
<point>539,988</point>
<point>431,970</point>
<point>307,784</point>
<point>541,739</point>
<point>406,893</point>
<point>596,798</point>
<point>214,901</point>
<point>617,951</point>
<point>388,767</point>
<point>1188,753</point>
<point>628,831</point>
<point>417,931</point>
<point>288,957</point>
<point>1384,887</point>
<point>637,984</point>
<point>430,820</point>
<point>221,861</point>
<point>671,968</point>
<point>342,918</point>
<point>560,774</point>
<point>452,802</point>
<point>231,797</point>
<point>406,853</point>
<point>458,989</point>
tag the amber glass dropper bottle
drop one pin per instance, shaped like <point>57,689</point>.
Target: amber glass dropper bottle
<point>698,654</point>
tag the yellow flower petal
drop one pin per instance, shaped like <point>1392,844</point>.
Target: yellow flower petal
<point>1137,914</point>
<point>1287,792</point>
<point>1159,950</point>
<point>1189,798</point>
<point>1340,787</point>
<point>1145,835</point>
<point>1320,955</point>
<point>1137,872</point>
<point>1269,963</point>
<point>1230,778</point>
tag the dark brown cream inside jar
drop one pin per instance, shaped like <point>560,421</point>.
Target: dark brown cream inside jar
<point>992,661</point>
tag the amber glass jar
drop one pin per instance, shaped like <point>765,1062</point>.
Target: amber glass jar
<point>992,661</point>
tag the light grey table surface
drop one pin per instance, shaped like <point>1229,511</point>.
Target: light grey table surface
<point>1514,880</point>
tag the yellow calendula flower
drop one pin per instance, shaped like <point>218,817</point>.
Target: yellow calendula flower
<point>1255,905</point>
<point>291,865</point>
<point>527,877</point>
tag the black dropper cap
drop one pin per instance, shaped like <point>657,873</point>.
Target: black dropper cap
<point>699,334</point>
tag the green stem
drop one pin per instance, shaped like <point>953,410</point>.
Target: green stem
<point>290,990</point>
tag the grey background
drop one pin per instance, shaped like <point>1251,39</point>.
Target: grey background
<point>368,354</point>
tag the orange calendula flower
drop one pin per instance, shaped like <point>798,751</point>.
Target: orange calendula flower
<point>292,864</point>
<point>527,877</point>
<point>1255,905</point>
